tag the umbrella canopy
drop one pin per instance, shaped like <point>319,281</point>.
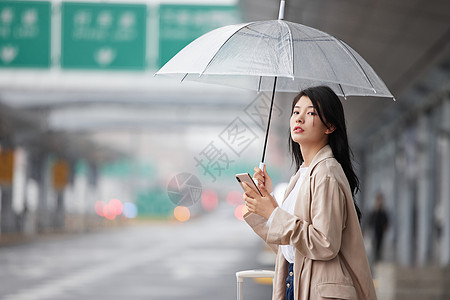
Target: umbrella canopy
<point>275,55</point>
<point>251,55</point>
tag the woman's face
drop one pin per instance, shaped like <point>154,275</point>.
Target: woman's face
<point>306,126</point>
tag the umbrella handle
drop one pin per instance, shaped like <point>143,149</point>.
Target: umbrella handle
<point>261,166</point>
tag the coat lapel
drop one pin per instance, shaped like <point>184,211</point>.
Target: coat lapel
<point>303,202</point>
<point>291,184</point>
<point>323,153</point>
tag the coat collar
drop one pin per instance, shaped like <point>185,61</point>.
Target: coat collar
<point>323,153</point>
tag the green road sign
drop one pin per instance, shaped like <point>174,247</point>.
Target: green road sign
<point>181,24</point>
<point>25,34</point>
<point>103,36</point>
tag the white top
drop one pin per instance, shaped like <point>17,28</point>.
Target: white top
<point>288,205</point>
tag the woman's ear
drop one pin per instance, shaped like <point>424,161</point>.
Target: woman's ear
<point>331,128</point>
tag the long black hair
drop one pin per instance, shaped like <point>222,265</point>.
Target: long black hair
<point>330,111</point>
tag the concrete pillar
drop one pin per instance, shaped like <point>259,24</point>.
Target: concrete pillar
<point>425,188</point>
<point>60,180</point>
<point>405,224</point>
<point>7,216</point>
<point>32,192</point>
<point>444,149</point>
<point>389,184</point>
<point>18,188</point>
<point>93,178</point>
<point>60,212</point>
<point>39,171</point>
<point>80,193</point>
<point>44,217</point>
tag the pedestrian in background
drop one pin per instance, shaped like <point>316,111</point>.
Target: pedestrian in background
<point>378,221</point>
<point>315,231</point>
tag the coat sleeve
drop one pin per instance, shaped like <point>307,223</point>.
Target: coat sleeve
<point>258,224</point>
<point>319,239</point>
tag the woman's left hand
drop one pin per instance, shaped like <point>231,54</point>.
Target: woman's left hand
<point>263,206</point>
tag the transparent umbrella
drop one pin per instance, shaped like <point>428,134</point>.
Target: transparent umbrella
<point>275,55</point>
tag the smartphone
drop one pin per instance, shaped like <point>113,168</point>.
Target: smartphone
<point>245,177</point>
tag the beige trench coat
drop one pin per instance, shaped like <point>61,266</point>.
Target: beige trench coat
<point>330,258</point>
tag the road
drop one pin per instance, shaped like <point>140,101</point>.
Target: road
<point>155,260</point>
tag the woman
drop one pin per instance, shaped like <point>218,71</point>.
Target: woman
<point>316,232</point>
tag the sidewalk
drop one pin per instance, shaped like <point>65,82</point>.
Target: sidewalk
<point>408,283</point>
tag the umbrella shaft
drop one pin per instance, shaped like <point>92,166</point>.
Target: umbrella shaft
<point>281,12</point>
<point>270,117</point>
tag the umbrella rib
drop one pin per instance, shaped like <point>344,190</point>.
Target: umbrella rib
<point>218,50</point>
<point>291,46</point>
<point>321,50</point>
<point>259,33</point>
<point>342,90</point>
<point>265,35</point>
<point>357,62</point>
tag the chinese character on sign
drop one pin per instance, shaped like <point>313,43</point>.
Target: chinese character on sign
<point>6,16</point>
<point>238,136</point>
<point>258,110</point>
<point>127,20</point>
<point>104,19</point>
<point>213,161</point>
<point>82,18</point>
<point>29,17</point>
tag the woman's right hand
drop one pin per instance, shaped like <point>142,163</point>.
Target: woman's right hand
<point>263,179</point>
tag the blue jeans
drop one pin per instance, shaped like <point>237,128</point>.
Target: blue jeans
<point>290,283</point>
